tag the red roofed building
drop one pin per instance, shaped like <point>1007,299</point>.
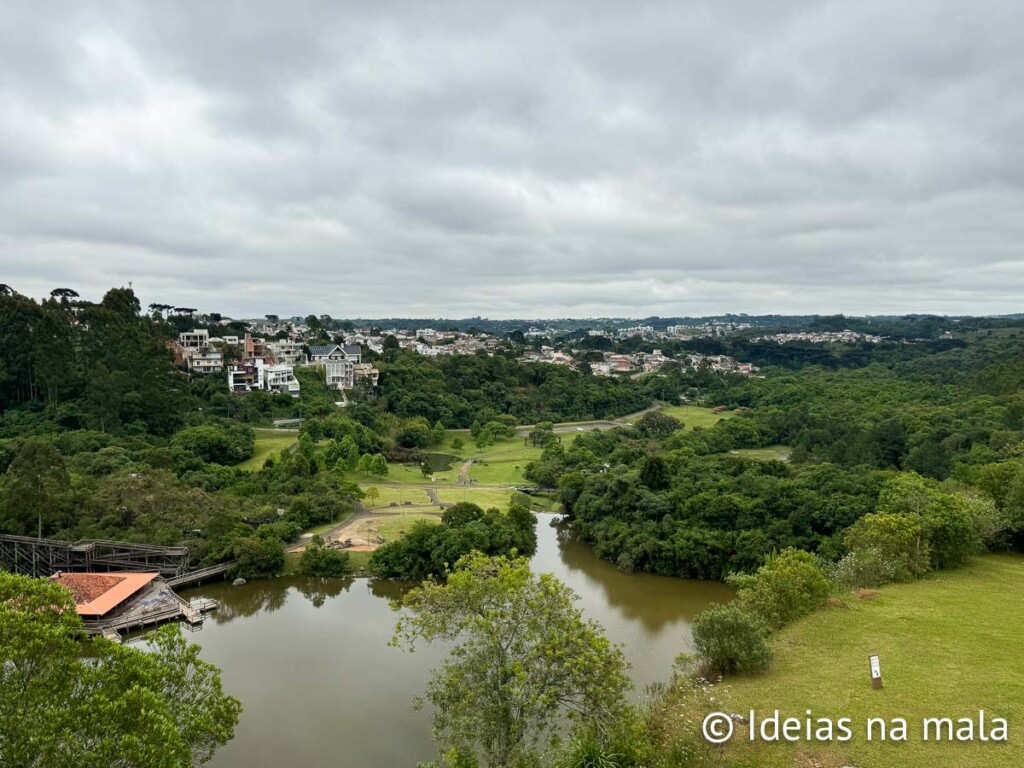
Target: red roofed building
<point>97,594</point>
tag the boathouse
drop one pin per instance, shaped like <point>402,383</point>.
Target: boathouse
<point>112,603</point>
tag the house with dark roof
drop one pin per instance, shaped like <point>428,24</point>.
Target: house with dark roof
<point>338,361</point>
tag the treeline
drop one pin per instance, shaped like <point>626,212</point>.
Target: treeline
<point>429,551</point>
<point>459,390</point>
<point>655,497</point>
<point>71,364</point>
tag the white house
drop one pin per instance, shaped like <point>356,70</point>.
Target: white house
<point>280,378</point>
<point>197,338</point>
<point>257,375</point>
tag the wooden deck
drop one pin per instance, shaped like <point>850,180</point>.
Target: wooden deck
<point>157,605</point>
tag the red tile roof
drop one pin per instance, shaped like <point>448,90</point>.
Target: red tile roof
<point>98,593</point>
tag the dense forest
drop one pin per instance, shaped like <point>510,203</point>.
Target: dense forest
<point>690,502</point>
<point>103,436</point>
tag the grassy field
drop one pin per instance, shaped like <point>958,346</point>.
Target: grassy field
<point>484,497</point>
<point>396,495</point>
<point>950,646</point>
<point>390,525</point>
<point>694,416</point>
<point>268,441</point>
<point>405,474</point>
<point>503,464</point>
<point>778,452</point>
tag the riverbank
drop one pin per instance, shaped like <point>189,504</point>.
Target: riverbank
<point>310,658</point>
<point>949,645</point>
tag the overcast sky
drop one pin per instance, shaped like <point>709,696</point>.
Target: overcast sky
<point>516,159</point>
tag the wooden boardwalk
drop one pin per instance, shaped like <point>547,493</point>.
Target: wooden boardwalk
<point>203,574</point>
<point>157,605</point>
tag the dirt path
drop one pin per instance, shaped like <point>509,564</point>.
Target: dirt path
<point>464,472</point>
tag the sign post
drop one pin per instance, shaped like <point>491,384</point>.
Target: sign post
<point>876,673</point>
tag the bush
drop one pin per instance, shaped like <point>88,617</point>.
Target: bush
<point>729,639</point>
<point>623,743</point>
<point>789,585</point>
<point>319,561</point>
<point>217,443</point>
<point>864,568</point>
<point>952,534</point>
<point>899,539</point>
<point>258,556</point>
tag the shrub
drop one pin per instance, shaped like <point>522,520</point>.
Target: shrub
<point>899,539</point>
<point>865,568</point>
<point>319,561</point>
<point>789,585</point>
<point>224,443</point>
<point>729,639</point>
<point>952,534</point>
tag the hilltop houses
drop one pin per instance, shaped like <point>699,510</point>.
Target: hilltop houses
<point>257,374</point>
<point>196,350</point>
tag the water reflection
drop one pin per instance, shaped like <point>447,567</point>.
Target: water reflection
<point>655,601</point>
<point>310,660</point>
<point>318,590</point>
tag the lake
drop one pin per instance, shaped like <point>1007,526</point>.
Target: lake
<point>320,686</point>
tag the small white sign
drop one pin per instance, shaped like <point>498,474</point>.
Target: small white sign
<point>876,668</point>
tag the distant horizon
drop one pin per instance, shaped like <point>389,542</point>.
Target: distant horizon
<point>538,319</point>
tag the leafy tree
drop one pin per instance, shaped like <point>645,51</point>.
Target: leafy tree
<point>258,556</point>
<point>898,539</point>
<point>458,443</point>
<point>35,482</point>
<point>415,433</point>
<point>789,585</point>
<point>307,446</point>
<point>379,465</point>
<point>319,561</point>
<point>658,425</point>
<point>372,493</point>
<point>523,658</point>
<point>654,473</point>
<point>730,640</point>
<point>365,464</point>
<point>118,706</point>
<point>217,443</point>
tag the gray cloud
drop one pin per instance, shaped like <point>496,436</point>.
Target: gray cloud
<point>528,159</point>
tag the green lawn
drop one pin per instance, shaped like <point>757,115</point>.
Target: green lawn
<point>503,464</point>
<point>268,441</point>
<point>397,495</point>
<point>778,452</point>
<point>950,645</point>
<point>391,525</point>
<point>483,497</point>
<point>500,464</point>
<point>405,474</point>
<point>694,415</point>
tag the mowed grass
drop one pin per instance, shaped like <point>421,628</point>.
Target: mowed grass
<point>268,441</point>
<point>394,495</point>
<point>950,645</point>
<point>391,526</point>
<point>694,415</point>
<point>483,497</point>
<point>503,463</point>
<point>405,474</point>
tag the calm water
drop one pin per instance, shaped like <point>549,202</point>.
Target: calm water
<point>320,686</point>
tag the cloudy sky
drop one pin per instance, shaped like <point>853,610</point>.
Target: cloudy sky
<point>537,159</point>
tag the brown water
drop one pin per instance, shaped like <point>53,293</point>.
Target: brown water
<point>320,686</point>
